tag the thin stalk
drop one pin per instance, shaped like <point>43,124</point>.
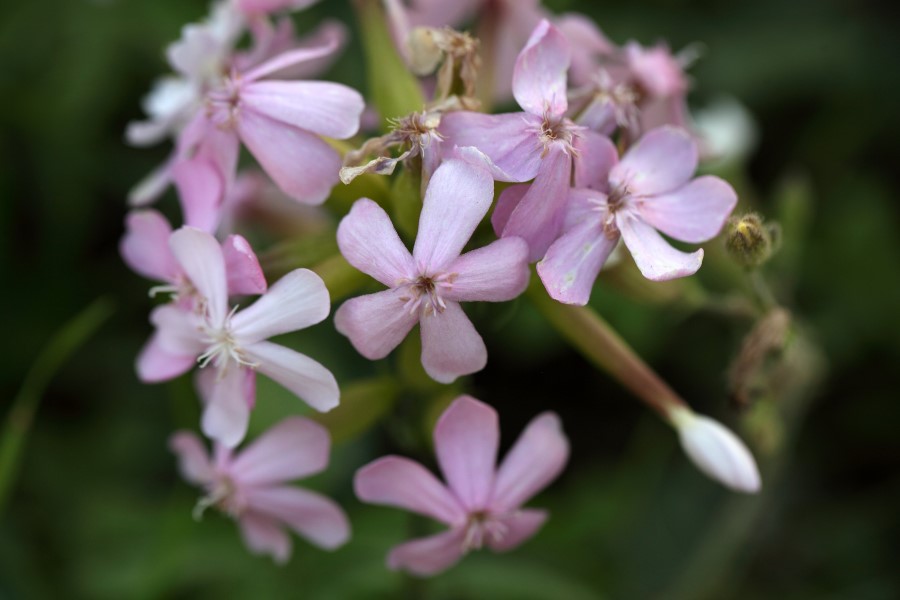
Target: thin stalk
<point>24,407</point>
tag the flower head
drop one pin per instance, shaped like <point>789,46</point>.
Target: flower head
<point>481,502</point>
<point>250,486</point>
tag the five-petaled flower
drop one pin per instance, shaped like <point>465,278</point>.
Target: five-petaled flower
<point>481,502</point>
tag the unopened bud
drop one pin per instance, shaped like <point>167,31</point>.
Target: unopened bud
<point>716,451</point>
<point>424,51</point>
<point>750,242</point>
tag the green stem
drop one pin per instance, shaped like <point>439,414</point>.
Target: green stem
<point>600,344</point>
<point>24,407</point>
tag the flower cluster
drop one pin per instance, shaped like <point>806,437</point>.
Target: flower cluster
<point>598,152</point>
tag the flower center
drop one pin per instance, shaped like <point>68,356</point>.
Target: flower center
<point>482,527</point>
<point>223,495</point>
<point>222,349</point>
<point>223,103</point>
<point>425,293</point>
<point>617,199</point>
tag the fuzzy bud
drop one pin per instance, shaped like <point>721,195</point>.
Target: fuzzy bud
<point>717,451</point>
<point>749,241</point>
<point>424,51</point>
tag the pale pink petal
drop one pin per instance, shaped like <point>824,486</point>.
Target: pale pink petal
<point>376,323</point>
<point>303,166</point>
<point>306,378</point>
<point>294,448</point>
<point>450,345</point>
<point>227,411</point>
<point>520,526</point>
<point>155,364</point>
<point>152,185</point>
<point>539,216</point>
<point>327,32</point>
<point>200,256</point>
<point>693,213</point>
<point>539,79</point>
<point>296,301</point>
<point>269,6</point>
<point>661,161</point>
<point>510,140</point>
<point>177,330</point>
<point>193,458</point>
<point>653,255</point>
<point>288,59</point>
<point>573,262</point>
<point>322,107</point>
<point>401,482</point>
<point>596,156</point>
<point>264,535</point>
<point>466,438</point>
<point>221,147</point>
<point>495,273</point>
<point>429,555</point>
<point>583,205</point>
<point>535,460</point>
<point>507,202</point>
<point>242,269</point>
<point>588,44</point>
<point>457,198</point>
<point>369,242</point>
<point>145,245</point>
<point>313,516</point>
<point>200,188</point>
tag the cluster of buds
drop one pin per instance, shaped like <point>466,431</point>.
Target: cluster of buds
<point>597,153</point>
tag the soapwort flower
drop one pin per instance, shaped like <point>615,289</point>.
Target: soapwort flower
<point>481,502</point>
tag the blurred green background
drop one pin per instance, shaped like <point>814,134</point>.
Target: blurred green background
<point>99,512</point>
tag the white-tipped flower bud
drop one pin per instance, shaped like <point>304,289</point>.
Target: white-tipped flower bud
<point>717,451</point>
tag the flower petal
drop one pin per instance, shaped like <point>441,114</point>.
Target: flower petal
<point>242,269</point>
<point>376,323</point>
<point>193,458</point>
<point>369,242</point>
<point>717,451</point>
<point>303,166</point>
<point>539,79</point>
<point>177,331</point>
<point>656,259</point>
<point>145,245</point>
<point>308,379</point>
<point>457,198</point>
<point>539,216</point>
<point>227,410</point>
<point>510,140</point>
<point>200,256</point>
<point>294,448</point>
<point>661,161</point>
<point>200,189</point>
<point>155,364</point>
<point>296,301</point>
<point>520,526</point>
<point>693,213</point>
<point>401,482</point>
<point>466,438</point>
<point>573,262</point>
<point>495,273</point>
<point>535,460</point>
<point>507,202</point>
<point>596,156</point>
<point>450,345</point>
<point>322,107</point>
<point>312,516</point>
<point>264,535</point>
<point>429,555</point>
<point>288,59</point>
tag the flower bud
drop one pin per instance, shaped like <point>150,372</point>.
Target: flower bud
<point>424,51</point>
<point>717,451</point>
<point>749,241</point>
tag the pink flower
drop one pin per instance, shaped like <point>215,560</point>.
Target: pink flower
<point>249,486</point>
<point>481,502</point>
<point>235,342</point>
<point>145,248</point>
<point>427,285</point>
<point>650,189</point>
<point>534,144</point>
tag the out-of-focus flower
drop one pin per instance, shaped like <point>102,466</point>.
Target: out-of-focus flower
<point>427,285</point>
<point>648,192</point>
<point>726,130</point>
<point>250,486</point>
<point>716,451</point>
<point>481,503</point>
<point>233,342</point>
<point>537,143</point>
